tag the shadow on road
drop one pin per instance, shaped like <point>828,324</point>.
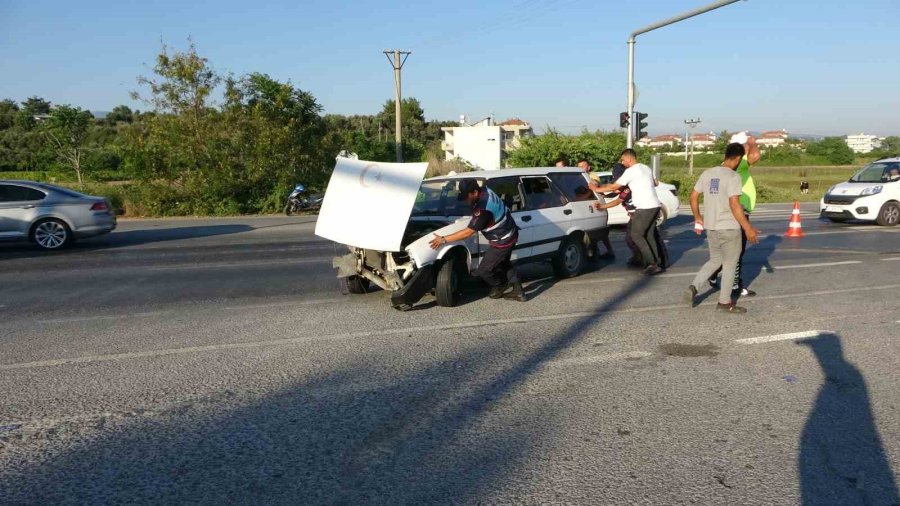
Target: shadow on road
<point>758,258</point>
<point>364,433</point>
<point>124,238</point>
<point>842,460</point>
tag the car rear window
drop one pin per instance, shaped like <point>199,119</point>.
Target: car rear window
<point>16,193</point>
<point>65,191</point>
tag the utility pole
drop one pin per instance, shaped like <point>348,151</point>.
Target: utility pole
<point>631,40</point>
<point>691,123</point>
<point>397,64</point>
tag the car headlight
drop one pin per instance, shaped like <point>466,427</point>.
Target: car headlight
<point>872,190</point>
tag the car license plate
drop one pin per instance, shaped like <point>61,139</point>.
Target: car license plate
<point>830,209</point>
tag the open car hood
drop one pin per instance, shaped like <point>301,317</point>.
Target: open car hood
<point>368,204</point>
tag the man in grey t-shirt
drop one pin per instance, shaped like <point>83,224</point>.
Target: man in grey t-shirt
<point>723,218</point>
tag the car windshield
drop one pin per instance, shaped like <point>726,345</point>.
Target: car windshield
<point>438,198</point>
<point>877,172</point>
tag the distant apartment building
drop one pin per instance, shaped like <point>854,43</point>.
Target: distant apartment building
<point>660,141</point>
<point>484,144</point>
<point>862,143</point>
<point>772,138</point>
<point>703,141</point>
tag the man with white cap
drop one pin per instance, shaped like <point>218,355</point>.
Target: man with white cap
<point>748,202</point>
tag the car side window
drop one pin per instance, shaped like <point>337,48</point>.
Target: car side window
<point>540,194</point>
<point>16,193</point>
<point>574,186</point>
<point>507,188</point>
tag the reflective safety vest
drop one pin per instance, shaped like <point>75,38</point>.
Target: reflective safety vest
<point>503,228</point>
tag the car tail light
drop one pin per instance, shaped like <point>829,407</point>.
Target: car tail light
<point>100,206</point>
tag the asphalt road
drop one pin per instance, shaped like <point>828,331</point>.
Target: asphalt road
<point>218,361</point>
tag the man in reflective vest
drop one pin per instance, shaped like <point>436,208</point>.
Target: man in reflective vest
<point>492,218</point>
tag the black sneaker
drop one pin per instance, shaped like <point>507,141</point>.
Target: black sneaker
<point>497,291</point>
<point>745,292</point>
<point>517,293</point>
<point>691,295</point>
<point>714,283</point>
<point>652,270</point>
<point>730,308</point>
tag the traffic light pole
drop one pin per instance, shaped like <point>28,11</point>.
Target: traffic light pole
<point>631,40</point>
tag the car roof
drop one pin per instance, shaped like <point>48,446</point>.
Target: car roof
<point>891,159</point>
<point>525,171</point>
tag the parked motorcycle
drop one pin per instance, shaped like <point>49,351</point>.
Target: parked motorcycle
<point>299,200</point>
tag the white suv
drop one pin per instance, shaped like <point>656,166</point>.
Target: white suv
<point>872,194</point>
<point>553,208</point>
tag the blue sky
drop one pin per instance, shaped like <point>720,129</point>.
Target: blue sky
<point>812,67</point>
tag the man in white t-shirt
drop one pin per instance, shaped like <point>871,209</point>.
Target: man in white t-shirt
<point>639,179</point>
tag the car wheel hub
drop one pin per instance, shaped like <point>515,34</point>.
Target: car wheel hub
<point>50,234</point>
<point>892,214</point>
<point>572,259</point>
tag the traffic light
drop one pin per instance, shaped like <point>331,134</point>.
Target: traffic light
<point>623,119</point>
<point>640,125</point>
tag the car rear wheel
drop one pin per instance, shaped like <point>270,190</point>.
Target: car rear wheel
<point>570,259</point>
<point>889,215</point>
<point>357,284</point>
<point>51,234</point>
<point>447,285</point>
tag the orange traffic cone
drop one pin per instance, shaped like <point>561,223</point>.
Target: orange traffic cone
<point>794,228</point>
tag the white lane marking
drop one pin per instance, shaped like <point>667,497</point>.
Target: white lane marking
<point>782,337</point>
<point>424,330</point>
<point>891,259</point>
<point>629,355</point>
<point>101,317</point>
<point>824,264</point>
<point>231,265</point>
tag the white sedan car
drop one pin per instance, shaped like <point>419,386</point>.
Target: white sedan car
<point>667,193</point>
<point>386,215</point>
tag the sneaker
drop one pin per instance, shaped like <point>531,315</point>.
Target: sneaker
<point>497,291</point>
<point>652,270</point>
<point>731,308</point>
<point>714,283</point>
<point>691,295</point>
<point>745,292</point>
<point>517,293</point>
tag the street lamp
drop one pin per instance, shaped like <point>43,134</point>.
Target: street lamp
<point>691,123</point>
<point>631,41</point>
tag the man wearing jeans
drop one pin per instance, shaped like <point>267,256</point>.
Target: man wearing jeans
<point>639,178</point>
<point>724,219</point>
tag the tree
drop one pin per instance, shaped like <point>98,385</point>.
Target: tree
<point>600,149</point>
<point>67,129</point>
<point>834,149</point>
<point>120,114</point>
<point>36,106</point>
<point>8,112</point>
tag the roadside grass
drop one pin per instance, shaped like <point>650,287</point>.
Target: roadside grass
<point>773,184</point>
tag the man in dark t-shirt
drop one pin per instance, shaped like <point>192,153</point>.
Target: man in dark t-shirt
<point>492,218</point>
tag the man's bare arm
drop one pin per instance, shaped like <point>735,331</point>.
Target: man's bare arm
<point>606,188</point>
<point>455,236</point>
<point>752,151</point>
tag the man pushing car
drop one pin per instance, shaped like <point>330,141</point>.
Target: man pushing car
<point>492,218</point>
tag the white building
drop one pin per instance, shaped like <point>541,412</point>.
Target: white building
<point>772,138</point>
<point>703,141</point>
<point>862,143</point>
<point>484,144</point>
<point>661,141</point>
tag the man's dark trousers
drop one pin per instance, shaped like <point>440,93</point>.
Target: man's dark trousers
<point>642,233</point>
<point>496,268</point>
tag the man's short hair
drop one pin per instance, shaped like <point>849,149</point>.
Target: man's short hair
<point>630,152</point>
<point>583,160</point>
<point>467,186</point>
<point>734,150</point>
<point>562,160</point>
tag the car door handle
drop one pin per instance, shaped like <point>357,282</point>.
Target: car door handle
<point>526,218</point>
<point>567,211</point>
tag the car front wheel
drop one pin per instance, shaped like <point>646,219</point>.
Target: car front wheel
<point>889,215</point>
<point>51,234</point>
<point>661,217</point>
<point>357,284</point>
<point>570,259</point>
<point>447,285</point>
